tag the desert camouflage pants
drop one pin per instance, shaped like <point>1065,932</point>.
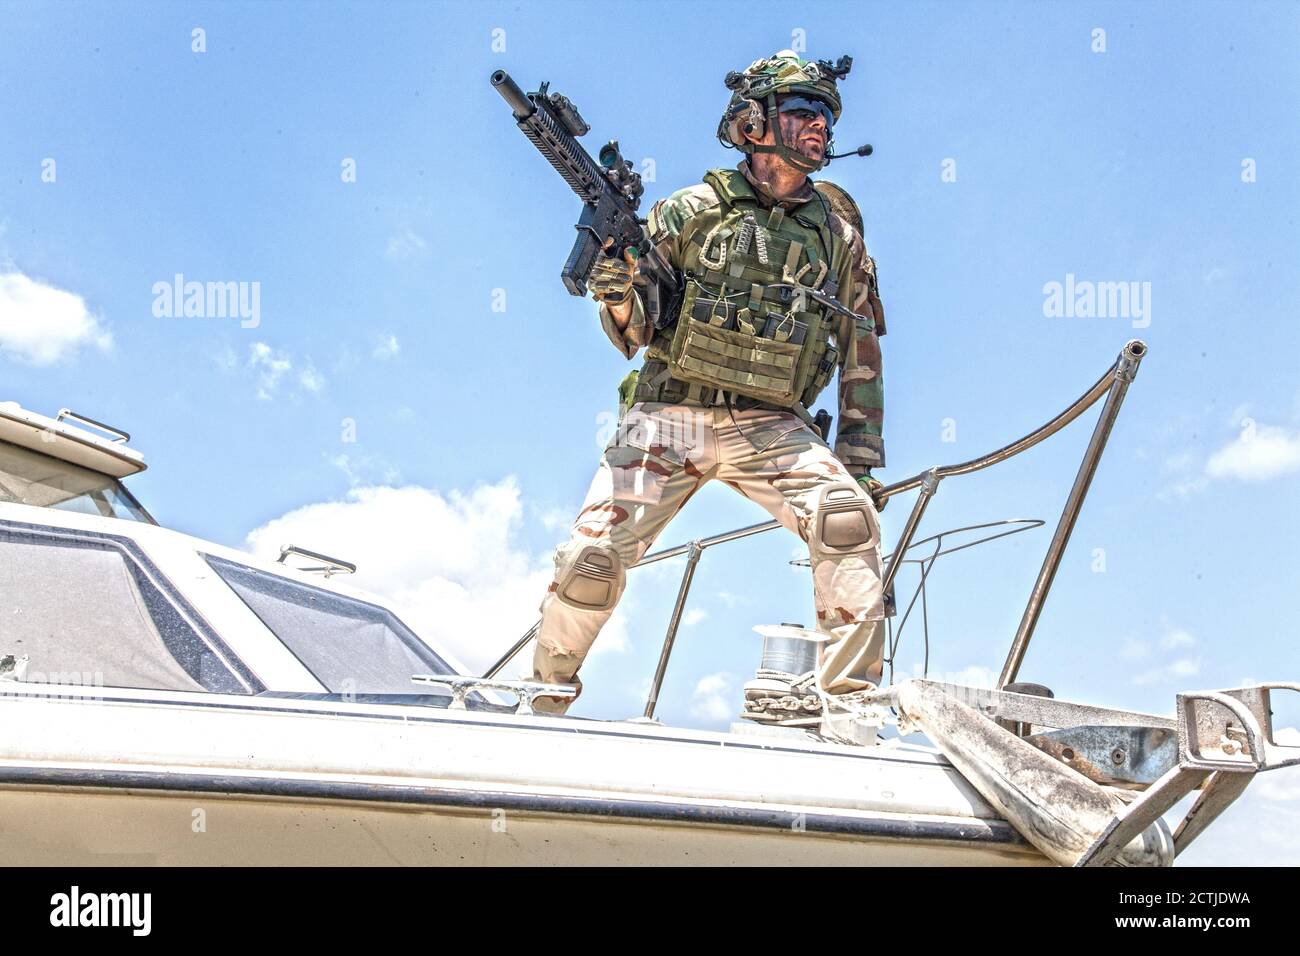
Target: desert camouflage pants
<point>661,455</point>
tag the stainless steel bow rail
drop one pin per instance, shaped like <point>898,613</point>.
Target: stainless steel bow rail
<point>1113,386</point>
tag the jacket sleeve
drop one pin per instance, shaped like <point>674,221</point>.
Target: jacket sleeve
<point>859,439</point>
<point>665,223</point>
<point>629,340</point>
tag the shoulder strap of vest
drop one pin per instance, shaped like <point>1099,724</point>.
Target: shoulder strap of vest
<point>667,216</point>
<point>814,210</point>
<point>730,185</point>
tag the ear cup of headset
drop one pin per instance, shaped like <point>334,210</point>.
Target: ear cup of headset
<point>747,120</point>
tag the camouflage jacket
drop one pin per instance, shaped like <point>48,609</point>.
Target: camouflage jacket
<point>858,439</point>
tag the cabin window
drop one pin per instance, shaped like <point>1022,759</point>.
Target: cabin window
<point>30,478</point>
<point>85,608</point>
<point>350,646</point>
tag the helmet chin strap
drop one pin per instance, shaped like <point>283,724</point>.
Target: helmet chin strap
<point>792,156</point>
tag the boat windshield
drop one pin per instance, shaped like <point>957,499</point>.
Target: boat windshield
<point>30,478</point>
<point>350,646</point>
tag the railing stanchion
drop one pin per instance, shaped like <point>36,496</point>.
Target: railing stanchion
<point>692,559</point>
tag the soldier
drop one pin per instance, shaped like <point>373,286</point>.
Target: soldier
<point>779,293</point>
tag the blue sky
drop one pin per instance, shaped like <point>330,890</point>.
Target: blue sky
<point>1167,158</point>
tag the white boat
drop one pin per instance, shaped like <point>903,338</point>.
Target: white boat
<point>171,701</point>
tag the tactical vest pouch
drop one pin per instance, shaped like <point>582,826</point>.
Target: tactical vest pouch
<point>723,343</point>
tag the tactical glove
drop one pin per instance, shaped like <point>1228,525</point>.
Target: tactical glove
<point>874,488</point>
<point>611,279</point>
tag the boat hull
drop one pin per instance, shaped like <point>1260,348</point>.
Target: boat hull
<point>134,827</point>
<point>215,780</point>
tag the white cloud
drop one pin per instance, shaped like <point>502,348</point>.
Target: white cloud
<point>1257,454</point>
<point>387,348</point>
<point>1239,414</point>
<point>1181,490</point>
<point>694,616</point>
<point>450,562</point>
<point>272,366</point>
<point>365,469</point>
<point>42,325</point>
<point>310,379</point>
<point>1281,786</point>
<point>613,637</point>
<point>1262,828</point>
<point>226,359</point>
<point>1278,786</point>
<point>715,698</point>
<point>1173,638</point>
<point>1135,650</point>
<point>556,520</point>
<point>1175,670</point>
<point>1184,477</point>
<point>406,246</point>
<point>639,690</point>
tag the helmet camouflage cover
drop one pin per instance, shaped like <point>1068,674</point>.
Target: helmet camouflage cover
<point>755,91</point>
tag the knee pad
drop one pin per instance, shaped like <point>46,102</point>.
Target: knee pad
<point>592,580</point>
<point>844,522</point>
<point>844,546</point>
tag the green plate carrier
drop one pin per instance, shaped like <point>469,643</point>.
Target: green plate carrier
<point>744,326</point>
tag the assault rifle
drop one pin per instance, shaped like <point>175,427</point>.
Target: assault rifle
<point>610,192</point>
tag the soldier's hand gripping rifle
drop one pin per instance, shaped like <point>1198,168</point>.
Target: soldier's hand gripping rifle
<point>610,192</point>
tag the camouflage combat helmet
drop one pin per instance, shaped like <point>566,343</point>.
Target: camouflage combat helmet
<point>753,101</point>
